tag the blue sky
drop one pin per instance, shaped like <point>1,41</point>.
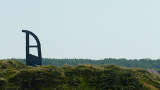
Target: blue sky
<point>82,28</point>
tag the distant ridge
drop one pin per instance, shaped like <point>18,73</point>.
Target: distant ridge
<point>140,63</point>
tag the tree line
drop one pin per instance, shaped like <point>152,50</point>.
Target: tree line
<point>139,63</point>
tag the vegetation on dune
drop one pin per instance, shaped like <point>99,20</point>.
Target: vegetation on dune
<point>82,77</point>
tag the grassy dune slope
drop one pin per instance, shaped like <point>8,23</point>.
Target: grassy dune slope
<point>82,77</point>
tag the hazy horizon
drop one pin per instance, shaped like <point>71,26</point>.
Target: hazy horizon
<point>92,29</point>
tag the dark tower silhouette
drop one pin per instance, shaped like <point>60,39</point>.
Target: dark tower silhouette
<point>32,60</point>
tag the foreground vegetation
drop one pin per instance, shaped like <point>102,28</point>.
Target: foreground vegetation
<point>82,77</point>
